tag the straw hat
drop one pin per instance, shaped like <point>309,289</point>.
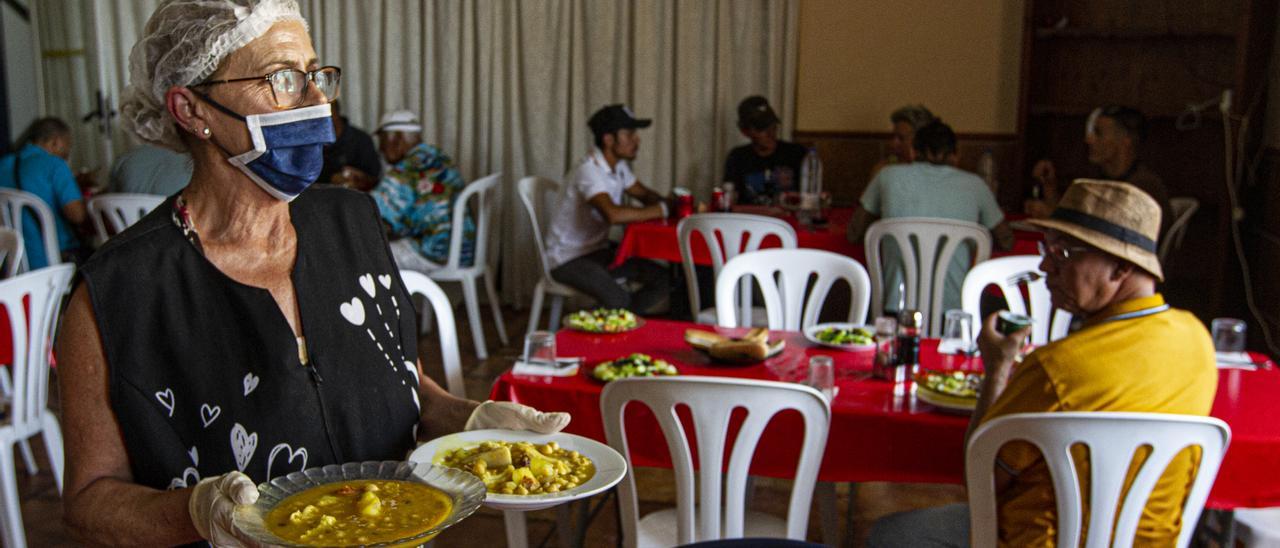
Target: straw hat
<point>1116,217</point>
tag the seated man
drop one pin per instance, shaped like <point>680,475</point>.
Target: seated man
<point>150,169</point>
<point>351,160</point>
<point>415,197</point>
<point>1113,135</point>
<point>906,121</point>
<point>591,200</point>
<point>39,166</point>
<point>767,166</point>
<point>929,187</point>
<point>1133,354</point>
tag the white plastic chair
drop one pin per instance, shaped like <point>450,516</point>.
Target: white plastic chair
<point>12,202</point>
<point>1258,527</point>
<point>783,276</point>
<point>710,401</point>
<point>1011,274</point>
<point>1182,209</point>
<point>1112,440</point>
<point>926,246</point>
<point>31,328</point>
<point>535,193</point>
<point>484,192</point>
<point>112,213</point>
<point>11,251</point>
<point>418,284</point>
<point>727,235</point>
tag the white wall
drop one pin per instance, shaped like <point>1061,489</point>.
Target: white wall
<point>21,61</point>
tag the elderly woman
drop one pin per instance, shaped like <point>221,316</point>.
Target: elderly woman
<point>241,331</point>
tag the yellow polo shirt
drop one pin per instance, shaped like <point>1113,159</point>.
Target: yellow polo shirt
<point>1158,363</point>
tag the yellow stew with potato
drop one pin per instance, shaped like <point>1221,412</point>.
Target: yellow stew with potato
<point>359,512</point>
<point>522,468</point>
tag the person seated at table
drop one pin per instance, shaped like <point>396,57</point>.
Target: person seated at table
<point>39,165</point>
<point>906,121</point>
<point>351,161</point>
<point>592,199</point>
<point>930,187</point>
<point>415,198</point>
<point>278,335</point>
<point>1113,135</point>
<point>767,166</point>
<point>1134,353</point>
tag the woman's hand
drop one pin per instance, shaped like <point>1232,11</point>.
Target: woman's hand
<point>513,416</point>
<point>212,502</point>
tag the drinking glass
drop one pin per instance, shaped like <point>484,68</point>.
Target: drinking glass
<point>957,332</point>
<point>540,348</point>
<point>822,375</point>
<point>1229,334</point>
<point>886,351</point>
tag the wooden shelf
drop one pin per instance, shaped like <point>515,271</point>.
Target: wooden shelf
<point>1130,34</point>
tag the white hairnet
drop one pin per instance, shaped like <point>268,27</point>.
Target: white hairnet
<point>182,44</point>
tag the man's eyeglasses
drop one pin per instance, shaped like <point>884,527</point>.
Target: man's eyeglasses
<point>289,86</point>
<point>1061,253</point>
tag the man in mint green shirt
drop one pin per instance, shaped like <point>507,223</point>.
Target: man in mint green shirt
<point>929,187</point>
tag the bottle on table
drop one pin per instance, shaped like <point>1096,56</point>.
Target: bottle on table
<point>987,169</point>
<point>730,196</point>
<point>810,187</point>
<point>909,324</point>
<point>886,347</point>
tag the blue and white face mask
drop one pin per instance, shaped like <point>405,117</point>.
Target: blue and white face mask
<point>288,149</point>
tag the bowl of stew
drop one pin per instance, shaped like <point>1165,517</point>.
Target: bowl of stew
<point>375,503</point>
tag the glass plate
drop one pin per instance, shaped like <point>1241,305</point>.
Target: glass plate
<point>811,334</point>
<point>466,490</point>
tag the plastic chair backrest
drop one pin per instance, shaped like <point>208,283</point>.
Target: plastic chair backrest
<point>711,401</point>
<point>1182,209</point>
<point>484,190</point>
<point>535,194</point>
<point>11,251</point>
<point>926,247</point>
<point>1112,440</point>
<point>1011,274</point>
<point>112,213</point>
<point>31,327</point>
<point>727,235</point>
<point>12,202</point>
<point>783,276</point>
<point>417,283</point>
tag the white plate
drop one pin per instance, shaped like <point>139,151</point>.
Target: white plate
<point>944,404</point>
<point>811,334</point>
<point>610,466</point>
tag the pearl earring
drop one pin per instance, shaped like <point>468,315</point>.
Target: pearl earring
<point>206,132</point>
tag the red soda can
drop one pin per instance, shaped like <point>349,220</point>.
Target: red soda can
<point>684,203</point>
<point>717,199</point>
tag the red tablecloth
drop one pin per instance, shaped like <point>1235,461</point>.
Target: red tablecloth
<point>874,435</point>
<point>658,239</point>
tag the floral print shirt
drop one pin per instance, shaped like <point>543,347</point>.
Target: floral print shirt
<point>415,198</point>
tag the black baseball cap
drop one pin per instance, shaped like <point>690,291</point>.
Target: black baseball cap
<point>615,117</point>
<point>754,112</point>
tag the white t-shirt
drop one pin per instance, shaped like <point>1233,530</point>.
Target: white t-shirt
<point>576,228</point>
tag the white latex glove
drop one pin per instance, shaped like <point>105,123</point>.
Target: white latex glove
<point>212,502</point>
<point>513,416</point>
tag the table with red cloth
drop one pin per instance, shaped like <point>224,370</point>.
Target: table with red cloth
<point>659,240</point>
<point>874,435</point>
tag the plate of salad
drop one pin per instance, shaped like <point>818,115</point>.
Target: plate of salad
<point>955,391</point>
<point>634,365</point>
<point>845,336</point>
<point>603,320</point>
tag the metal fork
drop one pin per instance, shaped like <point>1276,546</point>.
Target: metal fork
<point>1024,277</point>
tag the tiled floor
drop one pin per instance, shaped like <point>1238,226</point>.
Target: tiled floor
<point>42,510</point>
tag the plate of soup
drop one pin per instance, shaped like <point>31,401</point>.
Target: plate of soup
<point>525,470</point>
<point>379,503</point>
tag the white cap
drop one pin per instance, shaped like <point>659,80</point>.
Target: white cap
<point>399,120</point>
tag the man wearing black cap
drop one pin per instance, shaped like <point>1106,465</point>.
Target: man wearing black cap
<point>767,166</point>
<point>578,246</point>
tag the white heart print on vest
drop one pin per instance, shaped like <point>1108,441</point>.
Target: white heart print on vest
<point>288,451</point>
<point>190,477</point>
<point>353,311</point>
<point>250,383</point>
<point>165,397</point>
<point>195,456</point>
<point>243,444</point>
<point>208,413</point>
<point>385,280</point>
<point>366,282</point>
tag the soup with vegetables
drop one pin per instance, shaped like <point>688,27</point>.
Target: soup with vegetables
<point>359,512</point>
<point>522,468</point>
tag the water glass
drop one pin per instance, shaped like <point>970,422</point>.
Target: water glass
<point>540,348</point>
<point>886,347</point>
<point>957,332</point>
<point>822,375</point>
<point>1229,334</point>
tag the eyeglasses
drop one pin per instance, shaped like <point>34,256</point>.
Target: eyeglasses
<point>289,86</point>
<point>1061,253</point>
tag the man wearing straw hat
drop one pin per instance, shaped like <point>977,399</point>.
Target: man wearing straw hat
<point>1134,353</point>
